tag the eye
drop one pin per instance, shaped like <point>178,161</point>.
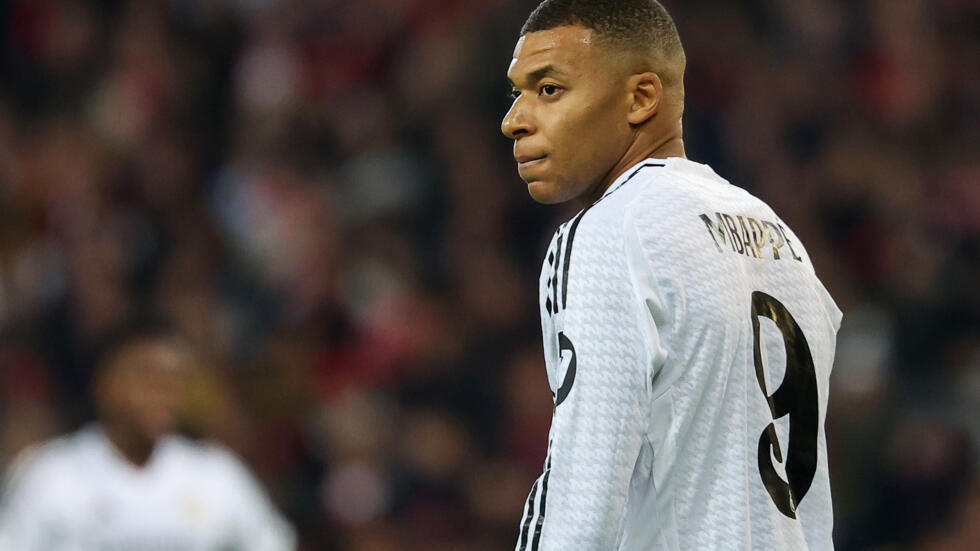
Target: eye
<point>549,90</point>
<point>514,93</point>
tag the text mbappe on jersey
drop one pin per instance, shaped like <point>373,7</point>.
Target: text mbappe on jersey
<point>749,236</point>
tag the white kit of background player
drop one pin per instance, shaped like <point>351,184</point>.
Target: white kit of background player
<point>688,344</point>
<point>78,493</point>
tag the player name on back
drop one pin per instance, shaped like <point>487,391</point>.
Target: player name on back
<point>752,237</point>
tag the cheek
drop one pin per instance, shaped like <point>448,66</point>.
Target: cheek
<point>589,142</point>
<point>572,137</point>
<point>585,139</point>
<point>599,119</point>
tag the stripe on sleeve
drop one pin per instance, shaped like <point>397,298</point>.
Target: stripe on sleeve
<point>528,515</point>
<point>539,523</point>
<point>568,256</point>
<point>554,283</point>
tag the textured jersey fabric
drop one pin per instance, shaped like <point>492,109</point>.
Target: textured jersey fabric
<point>688,346</point>
<point>77,493</point>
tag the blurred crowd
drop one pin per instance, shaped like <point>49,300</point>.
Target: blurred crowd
<point>318,193</point>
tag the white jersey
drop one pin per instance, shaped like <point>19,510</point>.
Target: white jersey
<point>77,493</point>
<point>688,346</point>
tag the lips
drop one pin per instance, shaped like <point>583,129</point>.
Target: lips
<point>525,160</point>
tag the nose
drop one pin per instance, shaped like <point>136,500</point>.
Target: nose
<point>516,122</point>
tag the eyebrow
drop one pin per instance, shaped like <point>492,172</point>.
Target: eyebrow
<point>538,74</point>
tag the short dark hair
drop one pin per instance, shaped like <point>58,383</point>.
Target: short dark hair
<point>641,25</point>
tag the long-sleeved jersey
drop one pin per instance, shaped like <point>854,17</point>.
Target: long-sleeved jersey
<point>688,345</point>
<point>77,493</point>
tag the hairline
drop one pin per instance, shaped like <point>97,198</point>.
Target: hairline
<point>602,39</point>
<point>642,59</point>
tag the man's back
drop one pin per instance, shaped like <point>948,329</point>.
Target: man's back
<point>654,302</point>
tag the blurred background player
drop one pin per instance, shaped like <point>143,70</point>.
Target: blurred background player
<point>128,481</point>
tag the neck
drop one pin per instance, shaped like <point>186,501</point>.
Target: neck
<point>671,145</point>
<point>135,448</point>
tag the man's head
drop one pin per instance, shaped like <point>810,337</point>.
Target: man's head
<point>139,379</point>
<point>596,83</point>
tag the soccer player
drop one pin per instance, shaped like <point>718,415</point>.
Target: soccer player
<point>128,482</point>
<point>688,341</point>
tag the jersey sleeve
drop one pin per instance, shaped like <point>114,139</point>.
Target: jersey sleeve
<point>606,348</point>
<point>256,523</point>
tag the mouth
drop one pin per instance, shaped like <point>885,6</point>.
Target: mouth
<point>525,161</point>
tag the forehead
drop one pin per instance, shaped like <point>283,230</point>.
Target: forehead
<point>567,48</point>
<point>150,356</point>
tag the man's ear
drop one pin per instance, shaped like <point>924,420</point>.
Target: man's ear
<point>647,92</point>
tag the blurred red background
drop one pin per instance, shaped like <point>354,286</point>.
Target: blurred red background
<point>318,193</point>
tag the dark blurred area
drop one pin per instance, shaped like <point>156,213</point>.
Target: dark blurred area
<point>318,194</point>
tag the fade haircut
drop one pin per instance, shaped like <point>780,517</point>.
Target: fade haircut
<point>640,26</point>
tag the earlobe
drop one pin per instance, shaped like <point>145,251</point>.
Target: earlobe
<point>647,94</point>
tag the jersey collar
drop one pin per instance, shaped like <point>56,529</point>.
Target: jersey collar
<point>630,173</point>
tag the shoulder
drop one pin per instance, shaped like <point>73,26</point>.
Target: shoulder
<point>648,198</point>
<point>655,191</point>
<point>678,188</point>
<point>207,455</point>
<point>213,465</point>
<point>666,211</point>
<point>47,463</point>
<point>595,242</point>
<point>213,462</point>
<point>54,453</point>
<point>617,201</point>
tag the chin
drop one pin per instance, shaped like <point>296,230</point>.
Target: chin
<point>156,431</point>
<point>543,192</point>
